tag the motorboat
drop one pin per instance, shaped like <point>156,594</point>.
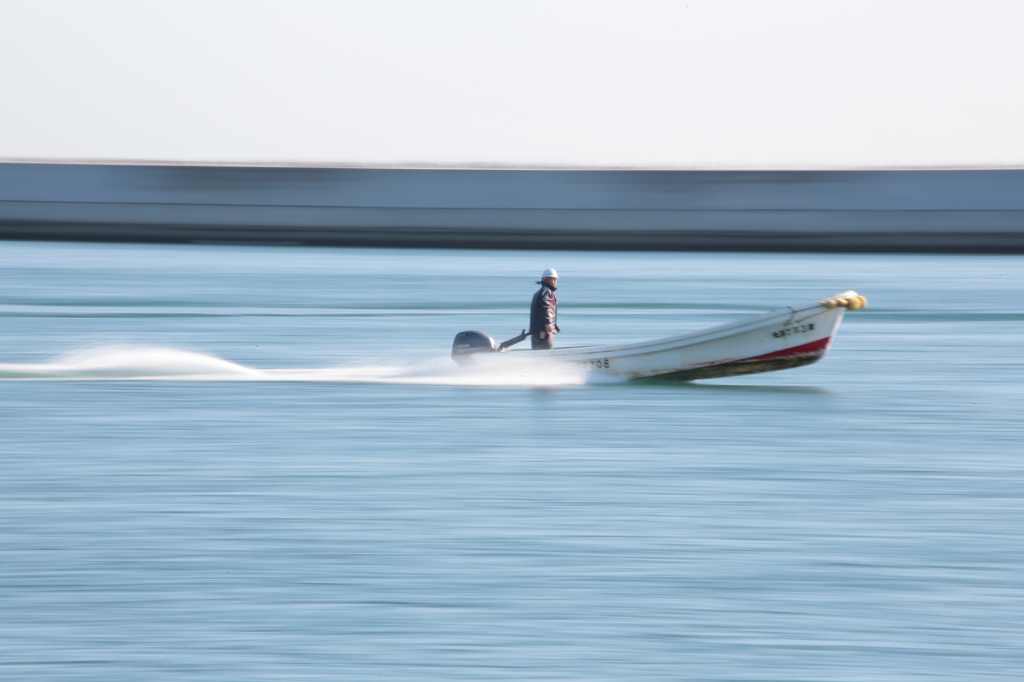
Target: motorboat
<point>789,337</point>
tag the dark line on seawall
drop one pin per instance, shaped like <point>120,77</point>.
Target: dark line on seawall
<point>544,239</point>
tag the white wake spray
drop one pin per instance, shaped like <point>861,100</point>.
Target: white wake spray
<point>129,363</point>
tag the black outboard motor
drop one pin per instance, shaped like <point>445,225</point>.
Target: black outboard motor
<point>468,343</point>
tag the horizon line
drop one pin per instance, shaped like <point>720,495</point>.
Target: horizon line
<point>426,165</point>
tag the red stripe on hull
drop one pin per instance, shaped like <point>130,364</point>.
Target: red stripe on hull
<point>819,346</point>
<point>796,356</point>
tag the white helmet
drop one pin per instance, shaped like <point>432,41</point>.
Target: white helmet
<point>550,272</point>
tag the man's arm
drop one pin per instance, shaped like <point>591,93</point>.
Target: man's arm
<point>549,311</point>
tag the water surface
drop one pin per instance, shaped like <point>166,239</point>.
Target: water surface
<point>369,517</point>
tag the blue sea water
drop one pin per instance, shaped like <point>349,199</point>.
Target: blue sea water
<point>254,463</point>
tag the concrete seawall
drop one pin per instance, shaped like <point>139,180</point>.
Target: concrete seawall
<point>947,211</point>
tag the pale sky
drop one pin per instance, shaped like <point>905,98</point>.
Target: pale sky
<point>689,84</point>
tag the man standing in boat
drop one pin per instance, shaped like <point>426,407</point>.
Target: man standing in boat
<point>544,312</point>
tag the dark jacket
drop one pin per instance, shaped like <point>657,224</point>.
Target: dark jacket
<point>543,309</point>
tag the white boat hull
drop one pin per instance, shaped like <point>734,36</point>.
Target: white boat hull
<point>789,337</point>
